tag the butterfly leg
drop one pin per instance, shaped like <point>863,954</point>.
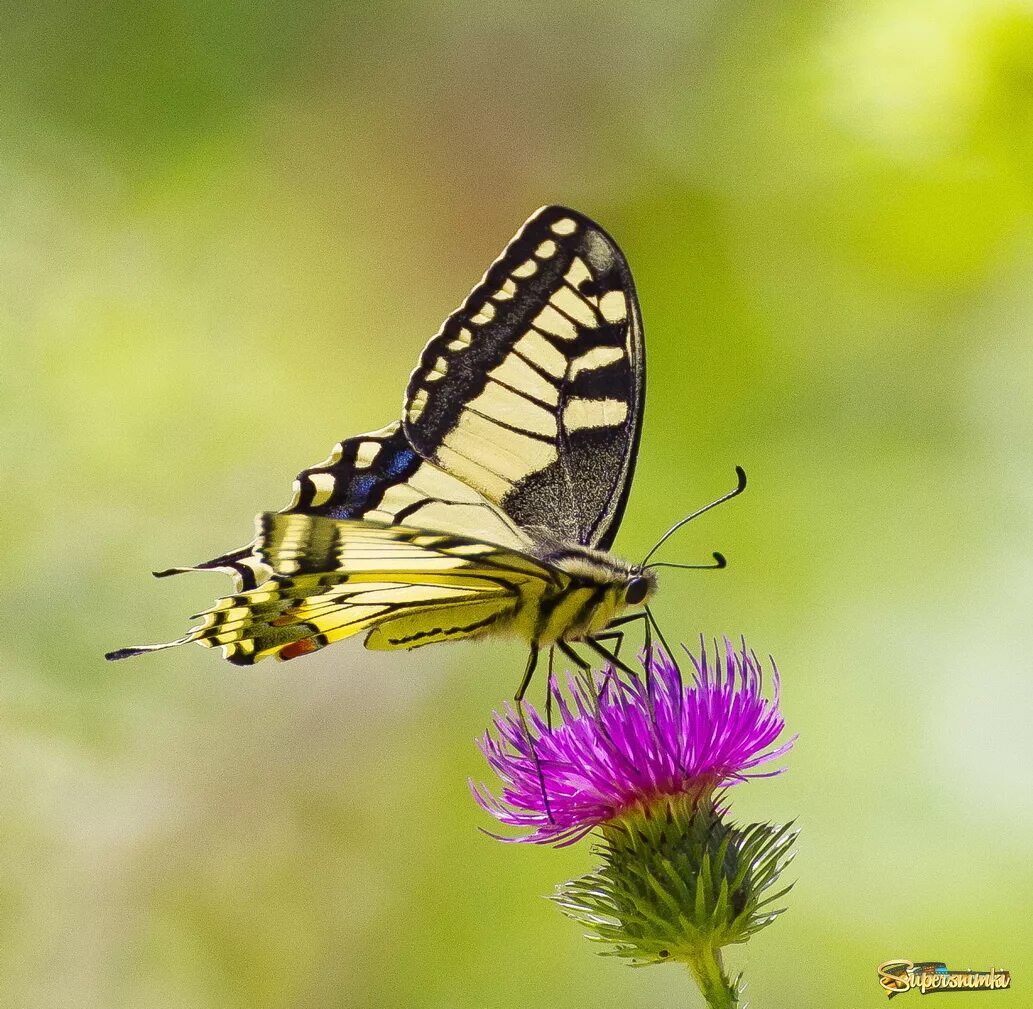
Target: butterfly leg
<point>651,622</point>
<point>532,662</point>
<point>584,668</point>
<point>611,657</point>
<point>548,688</point>
<point>585,673</point>
<point>626,619</point>
<point>648,623</point>
<point>578,661</point>
<point>611,634</point>
<point>609,672</point>
<point>518,700</point>
<point>615,636</point>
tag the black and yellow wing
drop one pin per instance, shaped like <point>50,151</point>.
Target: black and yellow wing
<point>532,392</point>
<point>520,425</point>
<point>331,579</point>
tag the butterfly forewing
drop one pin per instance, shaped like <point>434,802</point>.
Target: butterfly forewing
<point>532,391</point>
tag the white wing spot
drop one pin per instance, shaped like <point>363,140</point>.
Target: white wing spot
<point>439,370</point>
<point>536,348</point>
<point>486,314</point>
<point>546,250</point>
<point>332,459</point>
<point>418,405</point>
<point>510,454</point>
<point>506,291</point>
<point>488,483</point>
<point>582,413</point>
<point>367,453</point>
<point>323,484</point>
<point>614,306</point>
<point>576,307</point>
<point>499,403</point>
<point>565,226</point>
<point>519,374</point>
<point>526,269</point>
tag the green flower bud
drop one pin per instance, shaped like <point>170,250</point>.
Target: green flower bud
<point>678,882</point>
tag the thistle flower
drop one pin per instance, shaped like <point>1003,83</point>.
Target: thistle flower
<point>648,762</point>
<point>637,743</point>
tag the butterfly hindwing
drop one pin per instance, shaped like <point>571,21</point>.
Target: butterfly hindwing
<point>380,477</point>
<point>331,579</point>
<point>532,391</point>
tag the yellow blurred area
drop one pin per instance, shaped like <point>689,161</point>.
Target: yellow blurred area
<point>227,231</point>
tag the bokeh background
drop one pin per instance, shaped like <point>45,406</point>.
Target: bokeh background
<point>227,230</point>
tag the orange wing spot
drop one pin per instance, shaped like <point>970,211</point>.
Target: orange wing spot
<point>296,648</point>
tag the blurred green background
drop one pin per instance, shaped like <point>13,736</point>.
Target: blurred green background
<point>226,231</point>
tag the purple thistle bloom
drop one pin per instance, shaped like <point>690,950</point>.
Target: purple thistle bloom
<point>633,746</point>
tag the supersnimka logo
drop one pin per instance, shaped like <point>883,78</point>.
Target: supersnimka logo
<point>932,977</point>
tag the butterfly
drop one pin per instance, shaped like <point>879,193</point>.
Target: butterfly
<point>489,508</point>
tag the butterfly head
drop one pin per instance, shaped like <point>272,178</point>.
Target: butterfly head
<point>639,587</point>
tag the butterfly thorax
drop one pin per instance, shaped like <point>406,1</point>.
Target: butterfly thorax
<point>591,589</point>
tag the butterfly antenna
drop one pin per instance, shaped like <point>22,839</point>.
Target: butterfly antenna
<point>735,492</point>
<point>719,562</point>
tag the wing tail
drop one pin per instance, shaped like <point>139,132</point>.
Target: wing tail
<point>243,566</point>
<point>131,650</point>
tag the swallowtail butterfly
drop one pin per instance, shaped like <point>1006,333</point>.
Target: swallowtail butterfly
<point>489,507</point>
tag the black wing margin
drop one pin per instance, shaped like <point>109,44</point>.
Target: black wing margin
<point>532,392</point>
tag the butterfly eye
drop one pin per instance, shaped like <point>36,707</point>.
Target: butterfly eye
<point>638,589</point>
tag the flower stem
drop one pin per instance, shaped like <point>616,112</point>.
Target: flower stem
<point>708,970</point>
